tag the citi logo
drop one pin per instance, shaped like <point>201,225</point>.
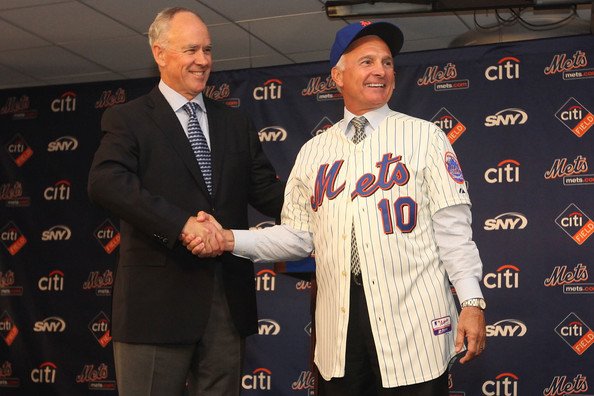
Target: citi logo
<point>17,146</point>
<point>573,329</point>
<point>9,234</point>
<point>507,328</point>
<point>506,221</point>
<point>506,277</point>
<point>271,90</point>
<point>507,68</point>
<point>63,143</point>
<point>60,191</point>
<point>265,280</point>
<point>322,126</point>
<point>573,113</point>
<point>272,134</point>
<point>65,103</point>
<point>507,171</point>
<point>261,378</point>
<point>45,374</point>
<point>56,233</point>
<point>53,282</point>
<point>268,327</point>
<point>505,384</point>
<point>511,116</point>
<point>52,324</point>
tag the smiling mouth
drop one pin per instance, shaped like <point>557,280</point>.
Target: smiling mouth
<point>377,85</point>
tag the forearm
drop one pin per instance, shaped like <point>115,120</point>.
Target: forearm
<point>457,250</point>
<point>278,243</point>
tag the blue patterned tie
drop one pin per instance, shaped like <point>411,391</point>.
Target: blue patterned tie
<point>199,144</point>
<point>359,125</point>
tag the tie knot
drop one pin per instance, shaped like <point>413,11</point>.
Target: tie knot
<point>359,124</point>
<point>191,108</point>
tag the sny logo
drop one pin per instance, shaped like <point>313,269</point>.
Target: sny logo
<point>272,134</point>
<point>58,232</point>
<point>507,328</point>
<point>511,116</point>
<point>575,333</point>
<point>506,221</point>
<point>63,143</point>
<point>449,124</point>
<point>268,327</point>
<point>574,222</point>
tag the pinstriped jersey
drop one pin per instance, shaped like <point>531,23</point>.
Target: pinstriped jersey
<point>387,187</point>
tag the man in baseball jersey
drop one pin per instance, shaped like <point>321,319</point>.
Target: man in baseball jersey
<point>381,197</point>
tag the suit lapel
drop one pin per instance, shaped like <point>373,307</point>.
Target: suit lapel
<point>169,125</point>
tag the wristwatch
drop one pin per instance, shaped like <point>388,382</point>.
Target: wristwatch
<point>474,302</point>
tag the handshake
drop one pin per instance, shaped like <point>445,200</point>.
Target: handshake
<point>205,237</point>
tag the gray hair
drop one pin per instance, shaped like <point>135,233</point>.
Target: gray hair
<point>157,32</point>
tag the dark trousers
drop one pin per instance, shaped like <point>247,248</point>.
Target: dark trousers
<point>362,374</point>
<point>211,366</point>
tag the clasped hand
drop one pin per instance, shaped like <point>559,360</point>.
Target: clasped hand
<point>203,236</point>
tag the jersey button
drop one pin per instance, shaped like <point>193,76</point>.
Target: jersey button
<point>342,310</point>
<point>343,273</point>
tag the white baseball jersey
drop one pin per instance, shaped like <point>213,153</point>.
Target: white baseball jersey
<point>388,186</point>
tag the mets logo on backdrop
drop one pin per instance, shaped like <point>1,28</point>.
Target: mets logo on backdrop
<point>96,378</point>
<point>575,117</point>
<point>561,386</point>
<point>221,94</point>
<point>575,333</point>
<point>575,223</point>
<point>442,79</point>
<point>573,281</point>
<point>108,236</point>
<point>572,68</point>
<point>8,288</point>
<point>449,124</point>
<point>6,378</point>
<point>322,89</point>
<point>573,173</point>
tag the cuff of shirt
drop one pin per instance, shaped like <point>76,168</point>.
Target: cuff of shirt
<point>244,239</point>
<point>467,288</point>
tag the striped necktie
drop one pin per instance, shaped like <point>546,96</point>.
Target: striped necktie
<point>199,144</point>
<point>359,124</point>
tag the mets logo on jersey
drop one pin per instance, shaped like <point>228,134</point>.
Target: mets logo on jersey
<point>453,167</point>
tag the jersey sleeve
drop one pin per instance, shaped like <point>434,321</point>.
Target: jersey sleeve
<point>296,211</point>
<point>445,181</point>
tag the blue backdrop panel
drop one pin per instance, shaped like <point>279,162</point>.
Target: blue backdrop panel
<point>520,117</point>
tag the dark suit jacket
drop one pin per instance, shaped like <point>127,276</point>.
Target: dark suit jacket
<point>145,172</point>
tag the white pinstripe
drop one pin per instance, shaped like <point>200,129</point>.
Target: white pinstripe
<point>405,284</point>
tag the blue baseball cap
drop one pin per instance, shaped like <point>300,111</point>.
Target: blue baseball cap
<point>387,31</point>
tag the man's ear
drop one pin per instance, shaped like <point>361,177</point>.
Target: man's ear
<point>159,54</point>
<point>337,76</point>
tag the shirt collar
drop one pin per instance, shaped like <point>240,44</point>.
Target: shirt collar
<point>177,100</point>
<point>374,117</point>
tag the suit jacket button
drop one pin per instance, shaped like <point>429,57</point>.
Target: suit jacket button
<point>165,240</point>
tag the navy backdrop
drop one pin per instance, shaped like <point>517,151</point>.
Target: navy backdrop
<point>520,118</point>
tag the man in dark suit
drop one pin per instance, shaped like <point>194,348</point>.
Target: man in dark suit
<point>176,317</point>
